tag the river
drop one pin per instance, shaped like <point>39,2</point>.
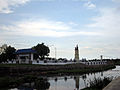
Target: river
<point>76,82</point>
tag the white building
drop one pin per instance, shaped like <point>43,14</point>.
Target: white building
<point>25,55</point>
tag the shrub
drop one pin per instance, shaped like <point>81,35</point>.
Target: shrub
<point>99,83</point>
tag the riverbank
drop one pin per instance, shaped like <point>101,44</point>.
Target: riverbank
<point>114,85</point>
<point>23,79</point>
<point>50,70</point>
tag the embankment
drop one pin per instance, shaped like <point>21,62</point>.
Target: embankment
<point>24,69</point>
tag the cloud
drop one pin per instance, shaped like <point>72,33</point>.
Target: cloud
<point>42,28</point>
<point>7,6</point>
<point>87,3</point>
<point>116,1</point>
<point>2,40</point>
<point>45,0</point>
<point>90,5</point>
<point>108,21</point>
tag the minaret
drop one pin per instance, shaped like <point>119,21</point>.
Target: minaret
<point>76,53</point>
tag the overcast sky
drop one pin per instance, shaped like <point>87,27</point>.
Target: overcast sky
<point>92,24</point>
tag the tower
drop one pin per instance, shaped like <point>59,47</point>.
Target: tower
<point>76,53</point>
<point>101,57</point>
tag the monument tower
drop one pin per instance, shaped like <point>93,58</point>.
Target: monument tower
<point>76,53</point>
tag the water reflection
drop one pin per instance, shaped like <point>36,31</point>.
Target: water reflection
<point>78,82</point>
<point>75,82</point>
<point>65,78</point>
<point>36,85</point>
<point>56,79</point>
<point>101,73</point>
<point>84,79</point>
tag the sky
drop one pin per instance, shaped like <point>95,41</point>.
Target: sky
<point>62,24</point>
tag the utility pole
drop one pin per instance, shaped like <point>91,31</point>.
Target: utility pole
<point>55,52</point>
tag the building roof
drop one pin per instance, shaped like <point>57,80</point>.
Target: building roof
<point>22,51</point>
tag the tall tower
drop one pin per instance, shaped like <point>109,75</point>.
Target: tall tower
<point>101,57</point>
<point>76,53</point>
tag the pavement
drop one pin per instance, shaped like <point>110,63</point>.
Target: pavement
<point>114,85</point>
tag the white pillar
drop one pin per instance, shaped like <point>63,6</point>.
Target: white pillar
<point>18,57</point>
<point>31,56</point>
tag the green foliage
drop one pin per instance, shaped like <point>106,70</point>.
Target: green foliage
<point>35,56</point>
<point>10,52</point>
<point>4,82</point>
<point>7,54</point>
<point>42,50</point>
<point>3,57</point>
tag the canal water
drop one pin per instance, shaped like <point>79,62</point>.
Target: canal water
<point>76,82</point>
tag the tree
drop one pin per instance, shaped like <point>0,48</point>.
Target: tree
<point>7,54</point>
<point>9,51</point>
<point>42,50</point>
<point>35,56</point>
<point>3,57</point>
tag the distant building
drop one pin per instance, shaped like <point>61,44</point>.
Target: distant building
<point>25,55</point>
<point>84,60</point>
<point>76,53</point>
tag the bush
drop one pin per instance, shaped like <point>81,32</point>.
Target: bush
<point>4,82</point>
<point>99,83</point>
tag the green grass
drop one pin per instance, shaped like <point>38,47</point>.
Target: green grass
<point>53,69</point>
<point>81,71</point>
<point>117,63</point>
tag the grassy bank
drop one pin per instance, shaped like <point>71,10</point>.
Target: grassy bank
<point>87,69</point>
<point>24,69</point>
<point>117,63</point>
